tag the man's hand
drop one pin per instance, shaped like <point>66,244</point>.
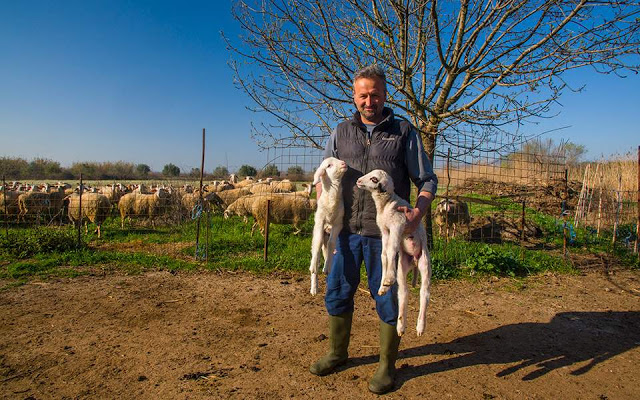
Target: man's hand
<point>413,218</point>
<point>414,215</point>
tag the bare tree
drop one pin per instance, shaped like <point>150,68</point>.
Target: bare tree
<point>472,68</point>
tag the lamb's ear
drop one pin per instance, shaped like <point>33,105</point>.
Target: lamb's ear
<point>318,175</point>
<point>381,188</point>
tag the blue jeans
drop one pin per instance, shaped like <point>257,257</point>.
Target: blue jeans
<point>344,278</point>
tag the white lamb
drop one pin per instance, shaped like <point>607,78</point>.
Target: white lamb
<point>328,217</point>
<point>392,223</point>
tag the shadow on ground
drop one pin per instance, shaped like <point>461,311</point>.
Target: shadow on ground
<point>568,339</point>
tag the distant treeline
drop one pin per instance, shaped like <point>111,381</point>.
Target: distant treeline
<point>42,168</point>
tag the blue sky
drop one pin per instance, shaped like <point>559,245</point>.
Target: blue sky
<point>137,81</point>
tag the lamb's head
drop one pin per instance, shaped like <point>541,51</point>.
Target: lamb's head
<point>376,181</point>
<point>443,206</point>
<point>331,168</point>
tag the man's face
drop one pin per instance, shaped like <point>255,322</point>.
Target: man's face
<point>369,97</point>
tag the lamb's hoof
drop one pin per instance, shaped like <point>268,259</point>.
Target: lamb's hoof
<point>388,282</point>
<point>314,284</point>
<point>420,329</point>
<point>383,289</point>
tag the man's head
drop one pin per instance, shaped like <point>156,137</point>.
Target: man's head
<point>370,93</point>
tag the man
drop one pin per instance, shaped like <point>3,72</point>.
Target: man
<point>373,139</point>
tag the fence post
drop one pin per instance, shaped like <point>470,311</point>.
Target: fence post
<point>266,231</point>
<point>6,214</point>
<point>616,222</point>
<point>200,201</point>
<point>80,212</point>
<point>522,234</point>
<point>635,247</point>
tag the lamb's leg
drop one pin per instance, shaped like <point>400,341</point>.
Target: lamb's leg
<point>317,246</point>
<point>390,251</point>
<point>424,266</point>
<point>403,292</point>
<point>331,247</point>
<point>383,260</point>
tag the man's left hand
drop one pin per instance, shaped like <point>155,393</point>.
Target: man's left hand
<point>413,218</point>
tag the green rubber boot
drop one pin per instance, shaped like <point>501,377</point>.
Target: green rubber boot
<point>339,334</point>
<point>382,380</point>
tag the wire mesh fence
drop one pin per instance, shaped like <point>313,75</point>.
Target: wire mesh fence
<point>529,201</point>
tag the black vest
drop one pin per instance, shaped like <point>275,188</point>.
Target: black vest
<point>386,150</point>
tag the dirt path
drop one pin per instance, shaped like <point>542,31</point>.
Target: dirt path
<point>207,335</point>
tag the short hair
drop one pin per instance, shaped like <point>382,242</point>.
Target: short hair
<point>371,71</point>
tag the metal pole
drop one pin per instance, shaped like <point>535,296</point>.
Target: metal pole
<point>200,197</point>
<point>6,213</point>
<point>266,231</point>
<point>80,213</point>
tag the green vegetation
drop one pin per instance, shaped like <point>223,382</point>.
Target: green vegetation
<point>171,170</point>
<point>53,252</point>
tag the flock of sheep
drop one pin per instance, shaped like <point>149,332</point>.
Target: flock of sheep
<point>247,198</point>
<point>46,203</point>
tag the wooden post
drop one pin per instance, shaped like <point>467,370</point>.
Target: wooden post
<point>80,213</point>
<point>206,254</point>
<point>600,206</point>
<point>6,213</point>
<point>522,234</point>
<point>200,201</point>
<point>266,231</point>
<point>635,247</point>
<point>618,209</point>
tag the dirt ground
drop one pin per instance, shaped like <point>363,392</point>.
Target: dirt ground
<point>219,335</point>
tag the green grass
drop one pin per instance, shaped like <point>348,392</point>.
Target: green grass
<point>55,252</point>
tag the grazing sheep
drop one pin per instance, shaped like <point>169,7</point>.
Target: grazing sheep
<point>57,201</point>
<point>242,206</point>
<point>190,200</point>
<point>229,196</point>
<point>149,205</point>
<point>451,213</point>
<point>248,181</point>
<point>283,186</point>
<point>95,208</point>
<point>396,245</point>
<point>218,186</point>
<point>33,203</point>
<point>233,178</point>
<point>286,208</point>
<point>328,216</point>
<point>9,202</point>
<point>113,193</point>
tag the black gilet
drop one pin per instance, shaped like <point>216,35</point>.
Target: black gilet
<point>385,150</point>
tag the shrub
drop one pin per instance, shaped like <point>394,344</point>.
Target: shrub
<point>27,243</point>
<point>488,260</point>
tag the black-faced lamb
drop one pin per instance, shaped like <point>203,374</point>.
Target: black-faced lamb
<point>451,213</point>
<point>328,216</point>
<point>396,245</point>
